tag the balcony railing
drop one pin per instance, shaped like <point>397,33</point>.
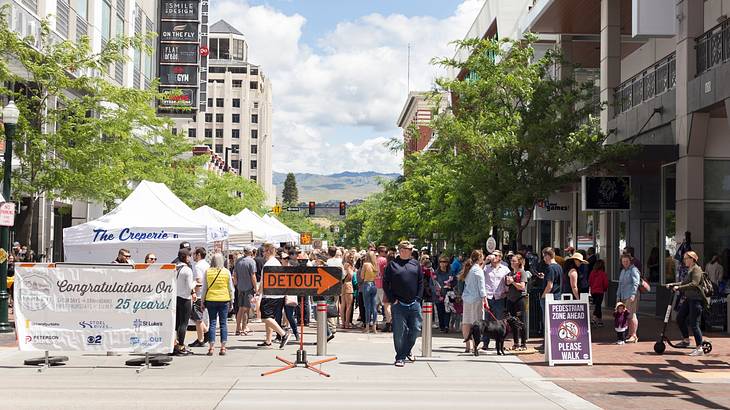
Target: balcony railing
<point>646,85</point>
<point>713,47</point>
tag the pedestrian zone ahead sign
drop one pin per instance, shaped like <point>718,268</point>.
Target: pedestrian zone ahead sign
<point>568,332</point>
<point>302,280</point>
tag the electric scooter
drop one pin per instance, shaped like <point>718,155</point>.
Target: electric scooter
<point>660,345</point>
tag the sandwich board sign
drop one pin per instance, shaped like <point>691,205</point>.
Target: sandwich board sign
<point>568,331</point>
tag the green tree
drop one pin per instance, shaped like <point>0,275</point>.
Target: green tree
<point>228,193</point>
<point>79,135</point>
<point>290,194</point>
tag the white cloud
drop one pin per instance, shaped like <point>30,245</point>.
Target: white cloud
<point>355,78</point>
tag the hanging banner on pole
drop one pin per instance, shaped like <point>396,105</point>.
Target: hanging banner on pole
<point>95,308</point>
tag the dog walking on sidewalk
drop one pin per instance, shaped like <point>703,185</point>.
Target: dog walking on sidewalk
<point>495,329</point>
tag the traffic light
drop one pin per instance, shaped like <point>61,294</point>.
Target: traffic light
<point>312,207</point>
<point>343,208</point>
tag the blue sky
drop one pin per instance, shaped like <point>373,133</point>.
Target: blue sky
<point>338,72</point>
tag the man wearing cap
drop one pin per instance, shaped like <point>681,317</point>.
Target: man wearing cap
<point>494,274</point>
<point>403,285</point>
<point>184,245</point>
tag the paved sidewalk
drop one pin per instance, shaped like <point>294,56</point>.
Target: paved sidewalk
<point>632,375</point>
<point>363,377</point>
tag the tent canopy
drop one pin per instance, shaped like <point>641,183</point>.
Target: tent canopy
<point>248,221</point>
<point>150,220</point>
<point>288,234</point>
<point>238,234</point>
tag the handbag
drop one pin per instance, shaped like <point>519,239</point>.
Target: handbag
<point>644,286</point>
<point>332,309</point>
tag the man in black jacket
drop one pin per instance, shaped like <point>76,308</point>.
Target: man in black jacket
<point>403,285</point>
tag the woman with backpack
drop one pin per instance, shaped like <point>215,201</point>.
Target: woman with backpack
<point>694,288</point>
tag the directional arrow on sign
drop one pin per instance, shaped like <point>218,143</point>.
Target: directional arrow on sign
<point>302,280</point>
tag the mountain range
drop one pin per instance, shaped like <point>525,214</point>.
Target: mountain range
<point>345,186</point>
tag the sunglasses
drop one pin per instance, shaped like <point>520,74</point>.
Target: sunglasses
<point>153,259</point>
<point>127,256</point>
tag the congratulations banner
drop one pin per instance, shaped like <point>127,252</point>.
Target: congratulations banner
<point>110,309</point>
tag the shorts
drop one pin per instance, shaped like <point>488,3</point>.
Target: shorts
<point>197,313</point>
<point>632,307</point>
<point>382,299</point>
<point>270,306</point>
<point>472,313</point>
<point>244,298</point>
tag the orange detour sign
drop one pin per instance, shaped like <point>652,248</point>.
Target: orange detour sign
<point>302,281</point>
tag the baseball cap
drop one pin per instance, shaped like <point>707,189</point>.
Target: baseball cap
<point>405,245</point>
<point>185,245</point>
<point>497,253</point>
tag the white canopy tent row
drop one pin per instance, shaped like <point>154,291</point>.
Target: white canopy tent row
<point>151,219</point>
<point>264,229</point>
<point>239,234</point>
<point>287,234</point>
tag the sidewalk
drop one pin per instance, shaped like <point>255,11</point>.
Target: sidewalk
<point>363,377</point>
<point>634,376</point>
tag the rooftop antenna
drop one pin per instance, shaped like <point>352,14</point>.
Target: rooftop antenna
<point>409,67</point>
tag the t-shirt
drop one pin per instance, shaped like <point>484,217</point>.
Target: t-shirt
<point>554,273</point>
<point>185,282</point>
<point>244,268</point>
<point>382,263</point>
<point>201,267</point>
<point>513,294</point>
<point>272,262</point>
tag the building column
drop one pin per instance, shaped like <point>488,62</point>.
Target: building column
<point>609,233</point>
<point>565,45</point>
<point>690,129</point>
<point>610,56</point>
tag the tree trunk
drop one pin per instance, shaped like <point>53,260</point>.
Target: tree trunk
<point>31,217</point>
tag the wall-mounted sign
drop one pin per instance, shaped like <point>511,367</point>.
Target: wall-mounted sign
<point>204,51</point>
<point>179,75</point>
<point>187,10</point>
<point>179,53</point>
<point>606,193</point>
<point>179,31</point>
<point>178,98</point>
<point>556,208</point>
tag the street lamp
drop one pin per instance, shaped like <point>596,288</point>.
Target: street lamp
<point>10,119</point>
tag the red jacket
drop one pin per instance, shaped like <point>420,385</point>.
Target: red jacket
<point>598,281</point>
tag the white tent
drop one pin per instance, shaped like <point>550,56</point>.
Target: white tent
<point>248,221</point>
<point>238,234</point>
<point>150,219</point>
<point>285,233</point>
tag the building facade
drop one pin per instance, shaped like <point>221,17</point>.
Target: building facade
<point>71,20</point>
<point>237,122</point>
<point>415,120</point>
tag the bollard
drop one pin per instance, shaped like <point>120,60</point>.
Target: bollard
<point>321,328</point>
<point>426,329</point>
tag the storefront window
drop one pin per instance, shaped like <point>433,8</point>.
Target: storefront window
<point>669,221</point>
<point>717,211</point>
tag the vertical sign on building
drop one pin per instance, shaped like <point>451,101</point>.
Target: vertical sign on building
<point>204,4</point>
<point>179,55</point>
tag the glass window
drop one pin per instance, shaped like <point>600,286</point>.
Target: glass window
<point>217,70</point>
<point>82,8</point>
<point>717,180</point>
<point>254,149</point>
<point>210,102</point>
<point>219,102</point>
<point>192,132</point>
<point>223,49</point>
<point>254,71</point>
<point>254,85</point>
<point>106,21</point>
<point>235,148</point>
<point>237,83</point>
<point>219,148</point>
<point>254,134</point>
<point>213,48</point>
<point>208,133</point>
<point>219,118</point>
<point>256,104</point>
<point>208,117</point>
<point>254,118</point>
<point>236,118</point>
<point>237,70</point>
<point>254,164</point>
<point>237,103</point>
<point>174,131</point>
<point>219,133</point>
<point>235,133</point>
<point>234,163</point>
<point>120,26</point>
<point>717,239</point>
<point>253,178</point>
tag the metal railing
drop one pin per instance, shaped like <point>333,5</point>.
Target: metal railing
<point>713,47</point>
<point>646,85</point>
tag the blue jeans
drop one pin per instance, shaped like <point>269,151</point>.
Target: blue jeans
<point>370,299</point>
<point>497,308</point>
<point>406,328</point>
<point>291,316</point>
<point>217,311</point>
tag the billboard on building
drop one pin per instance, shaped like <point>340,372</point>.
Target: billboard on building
<point>179,53</point>
<point>606,193</point>
<point>179,31</point>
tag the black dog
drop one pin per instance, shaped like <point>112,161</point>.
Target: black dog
<point>495,329</point>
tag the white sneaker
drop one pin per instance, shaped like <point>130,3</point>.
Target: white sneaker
<point>697,352</point>
<point>620,342</point>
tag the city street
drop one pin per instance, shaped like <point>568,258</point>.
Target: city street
<point>362,377</point>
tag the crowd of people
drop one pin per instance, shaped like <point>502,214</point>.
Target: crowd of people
<point>392,283</point>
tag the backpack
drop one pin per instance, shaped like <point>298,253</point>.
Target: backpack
<point>706,286</point>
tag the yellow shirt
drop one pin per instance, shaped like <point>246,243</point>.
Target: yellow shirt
<point>220,289</point>
<point>368,272</point>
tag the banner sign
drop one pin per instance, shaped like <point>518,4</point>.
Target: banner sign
<point>302,280</point>
<point>7,213</point>
<point>606,193</point>
<point>179,31</point>
<point>179,53</point>
<point>568,336</point>
<point>180,10</point>
<point>95,308</point>
<point>556,208</point>
<point>179,75</point>
<point>179,98</point>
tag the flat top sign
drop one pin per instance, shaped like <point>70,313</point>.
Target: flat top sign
<point>568,331</point>
<point>179,53</point>
<point>606,193</point>
<point>179,75</point>
<point>187,10</point>
<point>302,280</point>
<point>179,31</point>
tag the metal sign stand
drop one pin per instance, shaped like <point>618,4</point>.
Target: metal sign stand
<point>301,353</point>
<point>45,362</point>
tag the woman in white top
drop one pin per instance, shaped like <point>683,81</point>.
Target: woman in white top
<point>474,295</point>
<point>714,270</point>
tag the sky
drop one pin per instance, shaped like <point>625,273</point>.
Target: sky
<point>338,70</point>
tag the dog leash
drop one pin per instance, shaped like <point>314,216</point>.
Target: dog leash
<point>506,324</point>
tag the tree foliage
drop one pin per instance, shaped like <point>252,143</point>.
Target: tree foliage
<point>290,193</point>
<point>512,135</point>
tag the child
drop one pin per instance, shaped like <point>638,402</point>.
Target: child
<point>621,322</point>
<point>598,282</point>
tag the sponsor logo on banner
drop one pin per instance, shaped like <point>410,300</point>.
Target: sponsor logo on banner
<point>93,324</point>
<point>93,340</point>
<point>136,341</point>
<point>44,324</point>
<point>41,339</point>
<point>139,323</point>
<point>35,293</point>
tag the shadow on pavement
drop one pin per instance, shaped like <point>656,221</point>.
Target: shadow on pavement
<point>675,391</point>
<point>366,364</point>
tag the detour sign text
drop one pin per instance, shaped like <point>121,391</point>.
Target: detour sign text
<point>302,281</point>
